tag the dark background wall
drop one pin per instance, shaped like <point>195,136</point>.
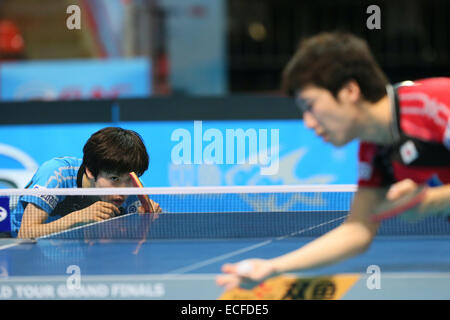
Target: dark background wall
<point>413,42</point>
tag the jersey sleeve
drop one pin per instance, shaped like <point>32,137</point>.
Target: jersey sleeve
<point>48,176</point>
<point>425,110</point>
<point>369,173</point>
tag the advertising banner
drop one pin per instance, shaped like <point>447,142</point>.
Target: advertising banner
<point>75,79</point>
<point>193,153</point>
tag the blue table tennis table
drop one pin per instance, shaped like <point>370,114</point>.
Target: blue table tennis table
<point>117,265</point>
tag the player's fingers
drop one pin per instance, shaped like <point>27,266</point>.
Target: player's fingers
<point>157,211</point>
<point>401,188</point>
<point>142,211</point>
<point>228,281</point>
<point>102,216</point>
<point>104,212</point>
<point>155,206</point>
<point>107,213</point>
<point>109,208</point>
<point>229,268</point>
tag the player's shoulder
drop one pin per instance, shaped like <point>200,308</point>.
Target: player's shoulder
<point>61,162</point>
<point>57,173</point>
<point>425,90</point>
<point>424,107</point>
<point>437,82</point>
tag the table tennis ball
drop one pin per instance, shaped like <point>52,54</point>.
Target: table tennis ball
<point>244,267</point>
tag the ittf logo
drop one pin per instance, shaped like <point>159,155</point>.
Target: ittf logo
<point>3,214</point>
<point>408,152</point>
<point>5,223</point>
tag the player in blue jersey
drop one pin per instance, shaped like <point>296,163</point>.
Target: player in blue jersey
<point>108,157</point>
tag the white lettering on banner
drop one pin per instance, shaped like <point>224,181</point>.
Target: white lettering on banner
<point>85,291</point>
<point>6,292</point>
<point>122,290</point>
<point>35,291</point>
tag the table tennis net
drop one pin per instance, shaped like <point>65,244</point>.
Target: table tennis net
<point>198,213</point>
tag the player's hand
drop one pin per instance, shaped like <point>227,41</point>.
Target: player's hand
<point>400,189</point>
<point>98,211</point>
<point>245,274</point>
<point>155,206</point>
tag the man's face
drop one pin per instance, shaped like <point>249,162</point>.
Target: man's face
<point>112,180</point>
<point>332,119</point>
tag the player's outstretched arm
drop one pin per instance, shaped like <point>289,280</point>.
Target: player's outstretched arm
<point>351,238</point>
<point>34,218</point>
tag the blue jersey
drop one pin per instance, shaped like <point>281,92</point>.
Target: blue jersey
<point>59,173</point>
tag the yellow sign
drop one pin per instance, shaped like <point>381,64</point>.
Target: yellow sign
<point>289,287</point>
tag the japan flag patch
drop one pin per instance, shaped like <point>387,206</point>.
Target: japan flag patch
<point>408,152</point>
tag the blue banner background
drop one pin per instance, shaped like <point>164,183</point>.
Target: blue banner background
<point>75,79</point>
<point>303,157</point>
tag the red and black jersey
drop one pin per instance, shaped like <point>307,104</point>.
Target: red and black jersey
<point>421,126</point>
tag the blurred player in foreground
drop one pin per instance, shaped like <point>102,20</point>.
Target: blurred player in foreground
<point>109,156</point>
<point>404,133</point>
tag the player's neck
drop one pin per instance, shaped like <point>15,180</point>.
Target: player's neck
<point>376,122</point>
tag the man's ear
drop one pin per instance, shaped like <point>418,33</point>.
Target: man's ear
<point>350,92</point>
<point>89,174</point>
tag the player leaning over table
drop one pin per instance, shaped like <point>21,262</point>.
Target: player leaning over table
<point>108,157</point>
<point>404,134</point>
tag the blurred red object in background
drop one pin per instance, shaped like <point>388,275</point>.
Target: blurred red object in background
<point>11,40</point>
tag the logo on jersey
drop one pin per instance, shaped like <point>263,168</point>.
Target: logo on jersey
<point>51,200</point>
<point>364,171</point>
<point>408,152</point>
<point>133,208</point>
